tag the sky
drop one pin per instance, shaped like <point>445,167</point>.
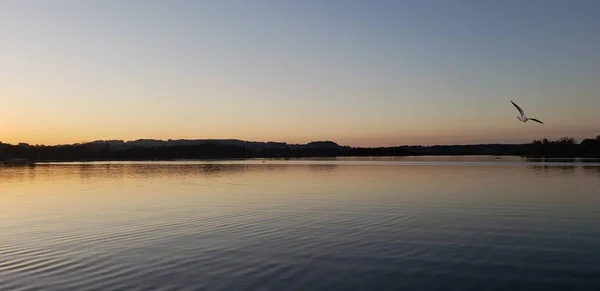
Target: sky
<point>360,73</point>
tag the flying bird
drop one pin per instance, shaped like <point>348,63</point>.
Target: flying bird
<point>523,117</point>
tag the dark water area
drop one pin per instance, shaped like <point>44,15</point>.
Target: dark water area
<point>422,223</point>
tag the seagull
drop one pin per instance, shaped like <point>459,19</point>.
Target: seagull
<point>523,117</point>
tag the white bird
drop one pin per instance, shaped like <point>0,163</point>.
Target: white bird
<point>523,117</point>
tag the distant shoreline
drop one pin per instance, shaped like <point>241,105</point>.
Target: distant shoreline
<point>317,160</point>
<point>170,150</point>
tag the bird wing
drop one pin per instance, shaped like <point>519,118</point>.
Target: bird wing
<point>519,108</point>
<point>533,119</point>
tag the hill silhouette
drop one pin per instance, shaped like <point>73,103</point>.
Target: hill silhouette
<point>149,149</point>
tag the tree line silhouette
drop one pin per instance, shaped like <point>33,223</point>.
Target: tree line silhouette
<point>108,151</point>
<point>564,147</point>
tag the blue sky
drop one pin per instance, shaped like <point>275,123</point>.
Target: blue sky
<point>356,72</point>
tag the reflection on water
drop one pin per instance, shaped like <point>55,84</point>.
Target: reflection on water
<point>591,169</point>
<point>337,224</point>
<point>563,160</point>
<point>563,169</point>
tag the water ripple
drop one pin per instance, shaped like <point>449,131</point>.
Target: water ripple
<point>282,227</point>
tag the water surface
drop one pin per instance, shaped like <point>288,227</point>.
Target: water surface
<point>317,224</point>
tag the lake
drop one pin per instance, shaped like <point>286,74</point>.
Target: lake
<point>427,223</point>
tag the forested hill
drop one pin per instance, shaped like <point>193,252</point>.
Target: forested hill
<point>146,149</point>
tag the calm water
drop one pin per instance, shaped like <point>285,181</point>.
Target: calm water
<point>369,224</point>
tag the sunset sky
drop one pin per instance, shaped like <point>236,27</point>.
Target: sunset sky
<point>363,73</point>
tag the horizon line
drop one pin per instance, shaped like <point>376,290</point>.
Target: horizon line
<point>271,141</point>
